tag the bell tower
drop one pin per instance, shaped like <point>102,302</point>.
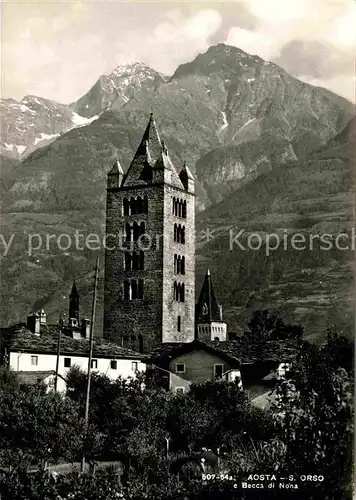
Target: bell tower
<point>150,270</point>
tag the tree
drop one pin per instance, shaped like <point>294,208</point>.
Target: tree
<point>36,425</point>
<point>314,412</point>
<point>264,326</point>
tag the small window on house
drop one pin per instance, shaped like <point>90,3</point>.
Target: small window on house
<point>134,366</point>
<point>113,364</point>
<point>94,363</point>
<point>179,390</point>
<point>67,362</point>
<point>218,371</point>
<point>180,368</point>
<point>34,360</point>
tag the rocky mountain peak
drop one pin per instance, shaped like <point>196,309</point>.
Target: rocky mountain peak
<point>220,59</point>
<point>118,87</point>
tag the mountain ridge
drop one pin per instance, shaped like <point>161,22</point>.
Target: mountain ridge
<point>267,124</point>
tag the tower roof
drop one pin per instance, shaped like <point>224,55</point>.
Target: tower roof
<point>185,175</point>
<point>74,292</point>
<point>116,169</point>
<point>151,154</point>
<point>207,308</point>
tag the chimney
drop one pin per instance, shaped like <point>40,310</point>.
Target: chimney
<point>34,323</point>
<point>43,317</point>
<point>85,329</point>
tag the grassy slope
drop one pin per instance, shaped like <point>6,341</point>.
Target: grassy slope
<point>312,287</point>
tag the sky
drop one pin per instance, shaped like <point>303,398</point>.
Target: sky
<point>58,50</point>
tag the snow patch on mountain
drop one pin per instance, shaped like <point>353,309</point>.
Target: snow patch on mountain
<point>81,121</point>
<point>224,125</point>
<point>44,137</point>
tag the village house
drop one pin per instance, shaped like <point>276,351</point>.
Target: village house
<point>31,350</point>
<point>212,356</point>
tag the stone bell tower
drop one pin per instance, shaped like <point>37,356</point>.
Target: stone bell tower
<point>150,270</point>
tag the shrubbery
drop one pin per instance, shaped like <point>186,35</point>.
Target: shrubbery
<point>308,430</point>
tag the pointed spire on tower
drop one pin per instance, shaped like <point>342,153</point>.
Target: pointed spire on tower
<point>74,291</point>
<point>207,307</point>
<point>74,303</point>
<point>151,160</point>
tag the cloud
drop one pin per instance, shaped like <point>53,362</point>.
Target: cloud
<point>179,39</point>
<point>311,38</point>
<point>313,58</point>
<point>59,49</point>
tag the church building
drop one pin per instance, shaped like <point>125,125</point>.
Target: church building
<point>149,298</point>
<point>149,293</point>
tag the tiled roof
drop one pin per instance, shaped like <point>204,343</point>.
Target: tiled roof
<point>247,352</point>
<point>236,350</point>
<point>18,337</point>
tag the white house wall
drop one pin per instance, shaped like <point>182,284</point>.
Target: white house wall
<point>21,361</point>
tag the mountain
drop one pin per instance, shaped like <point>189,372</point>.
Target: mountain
<point>249,132</point>
<point>311,286</point>
<point>32,123</point>
<point>118,87</point>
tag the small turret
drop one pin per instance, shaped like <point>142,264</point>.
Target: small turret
<point>85,328</point>
<point>208,314</point>
<point>116,175</point>
<point>187,178</point>
<point>43,317</point>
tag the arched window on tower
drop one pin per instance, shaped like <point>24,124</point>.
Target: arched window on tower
<point>179,323</point>
<point>126,206</point>
<point>175,232</point>
<point>132,206</point>
<point>173,205</point>
<point>134,290</point>
<point>182,235</point>
<point>142,260</point>
<point>175,263</point>
<point>179,233</point>
<point>182,265</point>
<point>145,204</point>
<point>135,230</point>
<point>127,289</point>
<point>182,290</point>
<point>139,205</point>
<point>180,207</point>
<point>128,262</point>
<point>175,291</point>
<point>184,210</point>
<point>128,232</point>
<point>140,291</point>
<point>142,229</point>
<point>134,261</point>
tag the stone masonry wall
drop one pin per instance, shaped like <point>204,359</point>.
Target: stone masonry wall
<point>124,320</point>
<point>171,308</point>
